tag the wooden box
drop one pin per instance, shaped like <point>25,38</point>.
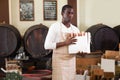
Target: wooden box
<point>83,63</point>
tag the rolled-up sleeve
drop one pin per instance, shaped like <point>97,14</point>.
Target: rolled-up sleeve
<point>50,39</point>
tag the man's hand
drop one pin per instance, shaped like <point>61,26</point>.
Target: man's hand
<point>81,54</point>
<point>70,40</point>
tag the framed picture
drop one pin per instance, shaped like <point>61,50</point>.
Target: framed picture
<point>26,10</point>
<point>50,9</point>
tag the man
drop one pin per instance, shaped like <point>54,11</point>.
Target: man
<point>60,35</point>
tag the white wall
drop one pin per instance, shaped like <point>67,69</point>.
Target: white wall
<point>99,11</point>
<point>22,26</point>
<point>90,12</point>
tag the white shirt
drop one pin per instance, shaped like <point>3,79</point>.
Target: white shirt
<point>54,34</point>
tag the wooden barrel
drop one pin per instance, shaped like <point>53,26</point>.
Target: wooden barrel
<point>103,38</point>
<point>34,39</point>
<point>117,30</point>
<point>10,40</point>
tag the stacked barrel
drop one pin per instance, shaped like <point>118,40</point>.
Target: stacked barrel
<point>103,38</point>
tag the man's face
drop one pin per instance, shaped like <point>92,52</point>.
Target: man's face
<point>68,14</point>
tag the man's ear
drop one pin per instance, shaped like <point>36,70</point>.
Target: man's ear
<point>61,13</point>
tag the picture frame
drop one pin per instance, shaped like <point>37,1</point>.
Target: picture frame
<point>26,10</point>
<point>50,9</point>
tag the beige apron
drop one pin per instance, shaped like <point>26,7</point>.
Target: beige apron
<point>63,64</point>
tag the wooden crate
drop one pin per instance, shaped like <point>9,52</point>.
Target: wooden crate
<point>110,54</point>
<point>83,63</point>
